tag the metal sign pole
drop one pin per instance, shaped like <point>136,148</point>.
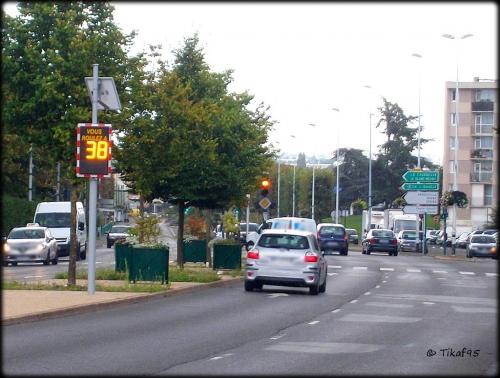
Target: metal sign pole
<point>93,194</point>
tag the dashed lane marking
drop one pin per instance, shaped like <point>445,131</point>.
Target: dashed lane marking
<point>469,273</point>
<point>413,270</point>
<point>379,318</point>
<point>313,322</point>
<point>335,266</point>
<point>336,310</point>
<point>353,301</point>
<point>439,271</point>
<point>492,274</point>
<point>377,287</point>
<point>359,267</point>
<point>367,293</point>
<point>389,269</point>
<point>332,274</point>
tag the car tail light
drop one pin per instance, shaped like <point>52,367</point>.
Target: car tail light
<point>394,241</point>
<point>310,257</point>
<point>372,241</point>
<point>317,235</point>
<point>253,255</point>
<point>346,236</point>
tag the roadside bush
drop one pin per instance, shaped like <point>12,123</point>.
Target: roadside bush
<point>16,212</point>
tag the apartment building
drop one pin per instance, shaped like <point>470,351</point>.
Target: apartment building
<point>477,157</point>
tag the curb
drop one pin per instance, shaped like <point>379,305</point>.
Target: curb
<point>80,309</point>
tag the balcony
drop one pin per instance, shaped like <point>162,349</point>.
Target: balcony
<point>481,176</point>
<point>481,154</point>
<point>482,106</point>
<point>482,129</point>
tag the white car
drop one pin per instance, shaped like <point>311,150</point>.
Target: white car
<point>30,244</point>
<point>286,257</point>
<point>482,245</point>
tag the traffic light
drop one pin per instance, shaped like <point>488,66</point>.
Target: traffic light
<point>265,184</point>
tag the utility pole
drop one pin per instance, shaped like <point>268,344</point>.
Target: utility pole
<point>30,179</point>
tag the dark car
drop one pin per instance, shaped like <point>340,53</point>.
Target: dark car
<point>380,240</point>
<point>333,237</point>
<point>117,232</point>
<point>408,241</point>
<point>353,235</point>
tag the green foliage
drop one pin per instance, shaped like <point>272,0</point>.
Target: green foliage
<point>358,206</point>
<point>16,212</point>
<point>146,230</point>
<point>450,198</point>
<point>230,222</point>
<point>398,203</point>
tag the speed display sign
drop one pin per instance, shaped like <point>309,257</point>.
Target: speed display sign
<point>93,150</point>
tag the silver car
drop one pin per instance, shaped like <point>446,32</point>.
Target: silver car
<point>30,244</point>
<point>482,245</point>
<point>286,258</point>
<point>117,232</point>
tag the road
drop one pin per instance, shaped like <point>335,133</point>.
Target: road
<point>404,315</point>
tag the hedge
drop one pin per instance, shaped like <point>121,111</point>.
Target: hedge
<point>16,212</point>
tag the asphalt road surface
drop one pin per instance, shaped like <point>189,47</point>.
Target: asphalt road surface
<point>380,315</point>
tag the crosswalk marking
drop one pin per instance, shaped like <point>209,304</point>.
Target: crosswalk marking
<point>492,274</point>
<point>335,266</point>
<point>359,267</point>
<point>439,271</point>
<point>413,270</point>
<point>469,273</point>
<point>332,274</point>
<point>390,269</point>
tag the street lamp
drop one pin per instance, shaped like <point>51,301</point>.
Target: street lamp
<point>455,161</point>
<point>419,81</point>
<point>338,164</point>
<point>312,200</point>
<point>369,174</point>
<point>293,193</point>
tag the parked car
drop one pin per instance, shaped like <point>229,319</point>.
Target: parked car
<point>380,240</point>
<point>286,258</point>
<point>252,227</point>
<point>431,236</point>
<point>408,241</point>
<point>482,246</point>
<point>353,235</point>
<point>440,239</point>
<point>117,232</point>
<point>32,243</point>
<point>333,237</point>
<point>462,240</point>
<point>490,231</point>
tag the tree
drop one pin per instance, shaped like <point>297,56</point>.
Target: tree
<point>353,176</point>
<point>301,160</point>
<point>46,52</point>
<point>358,206</point>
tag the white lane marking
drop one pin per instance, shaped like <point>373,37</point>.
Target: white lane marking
<point>439,271</point>
<point>391,305</point>
<point>469,273</point>
<point>441,298</point>
<point>275,295</point>
<point>492,274</point>
<point>384,281</point>
<point>359,267</point>
<point>33,276</point>
<point>324,348</point>
<point>277,337</point>
<point>336,310</point>
<point>335,266</point>
<point>477,310</point>
<point>390,269</point>
<point>441,278</point>
<point>413,270</point>
<point>313,322</point>
<point>379,318</point>
<point>377,287</point>
<point>353,301</point>
<point>367,293</point>
<point>332,274</point>
<point>428,303</point>
<point>219,357</point>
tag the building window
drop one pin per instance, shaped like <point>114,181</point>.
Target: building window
<point>488,195</point>
<point>453,119</point>
<point>453,94</point>
<point>485,95</point>
<point>483,142</point>
<point>452,166</point>
<point>452,143</point>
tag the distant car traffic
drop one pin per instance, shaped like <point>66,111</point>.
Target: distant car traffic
<point>353,235</point>
<point>431,236</point>
<point>30,244</point>
<point>462,240</point>
<point>333,237</point>
<point>117,232</point>
<point>408,241</point>
<point>482,246</point>
<point>294,223</point>
<point>286,257</point>
<point>380,240</point>
<point>252,227</point>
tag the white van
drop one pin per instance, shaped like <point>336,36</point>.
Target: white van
<point>57,217</point>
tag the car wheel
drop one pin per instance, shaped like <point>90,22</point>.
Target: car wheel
<point>395,253</point>
<point>314,290</point>
<point>368,251</point>
<point>55,260</point>
<point>257,286</point>
<point>322,287</point>
<point>108,244</point>
<point>249,286</point>
<point>14,263</point>
<point>469,254</point>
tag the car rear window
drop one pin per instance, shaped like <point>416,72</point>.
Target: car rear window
<point>409,235</point>
<point>27,234</point>
<point>483,239</point>
<point>383,234</point>
<point>283,241</point>
<point>331,230</point>
<point>120,229</point>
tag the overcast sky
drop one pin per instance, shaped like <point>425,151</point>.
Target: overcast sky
<point>303,59</point>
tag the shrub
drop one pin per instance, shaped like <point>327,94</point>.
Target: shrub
<point>16,212</point>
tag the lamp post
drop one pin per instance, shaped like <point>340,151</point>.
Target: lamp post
<point>312,189</point>
<point>419,85</point>
<point>279,168</point>
<point>455,160</point>
<point>369,173</point>
<point>338,164</point>
<point>293,191</point>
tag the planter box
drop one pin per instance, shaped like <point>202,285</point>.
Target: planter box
<point>122,257</point>
<point>227,256</point>
<point>148,264</point>
<point>195,251</point>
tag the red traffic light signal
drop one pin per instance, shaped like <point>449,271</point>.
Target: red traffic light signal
<point>265,184</point>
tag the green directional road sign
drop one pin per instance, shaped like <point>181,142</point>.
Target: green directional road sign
<point>421,176</point>
<point>420,186</point>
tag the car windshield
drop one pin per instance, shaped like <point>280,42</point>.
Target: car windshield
<point>489,232</point>
<point>27,233</point>
<point>383,234</point>
<point>53,220</point>
<point>409,235</point>
<point>331,231</point>
<point>283,241</point>
<point>483,239</point>
<point>251,227</point>
<point>119,229</point>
